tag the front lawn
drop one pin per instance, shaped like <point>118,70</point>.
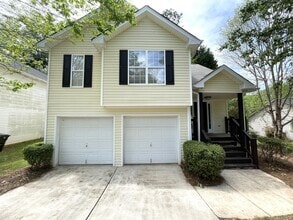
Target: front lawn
<point>11,157</point>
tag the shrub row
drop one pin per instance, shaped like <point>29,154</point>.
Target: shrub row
<point>38,155</point>
<point>272,147</point>
<point>203,160</point>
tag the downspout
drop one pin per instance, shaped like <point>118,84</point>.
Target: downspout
<point>102,77</point>
<point>198,116</point>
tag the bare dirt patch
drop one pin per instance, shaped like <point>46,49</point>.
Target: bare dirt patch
<point>19,178</point>
<point>280,168</point>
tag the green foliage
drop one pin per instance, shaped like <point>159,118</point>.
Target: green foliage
<point>11,158</point>
<point>172,15</point>
<point>205,57</point>
<point>203,160</point>
<point>24,23</point>
<point>272,147</point>
<point>38,155</point>
<point>259,38</point>
<point>14,85</point>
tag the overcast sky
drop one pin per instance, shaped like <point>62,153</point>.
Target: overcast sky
<point>202,18</point>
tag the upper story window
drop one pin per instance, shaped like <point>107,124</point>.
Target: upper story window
<point>146,67</point>
<point>77,71</point>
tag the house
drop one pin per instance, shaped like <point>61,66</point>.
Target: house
<point>262,121</point>
<point>22,113</point>
<point>130,97</point>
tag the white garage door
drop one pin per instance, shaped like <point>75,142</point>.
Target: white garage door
<point>150,140</point>
<point>86,141</point>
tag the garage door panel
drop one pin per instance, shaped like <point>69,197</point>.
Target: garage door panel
<point>71,158</point>
<point>150,140</point>
<point>86,140</point>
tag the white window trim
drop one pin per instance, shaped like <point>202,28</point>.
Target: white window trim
<point>146,67</point>
<point>71,70</point>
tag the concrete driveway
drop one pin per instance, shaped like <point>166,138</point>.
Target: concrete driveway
<point>145,192</point>
<point>106,192</point>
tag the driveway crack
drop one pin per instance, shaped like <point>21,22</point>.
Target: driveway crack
<point>102,193</point>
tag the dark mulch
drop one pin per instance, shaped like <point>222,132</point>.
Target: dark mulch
<point>196,181</point>
<point>19,178</point>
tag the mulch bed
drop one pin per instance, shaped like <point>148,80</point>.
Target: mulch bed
<point>196,181</point>
<point>19,178</point>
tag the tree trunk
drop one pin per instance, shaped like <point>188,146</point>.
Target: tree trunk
<point>279,127</point>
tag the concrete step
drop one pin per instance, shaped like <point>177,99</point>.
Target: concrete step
<point>224,142</point>
<point>233,148</point>
<point>237,160</point>
<point>235,153</point>
<point>240,166</point>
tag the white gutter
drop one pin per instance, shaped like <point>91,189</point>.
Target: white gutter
<point>102,77</point>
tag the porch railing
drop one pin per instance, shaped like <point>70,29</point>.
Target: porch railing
<point>247,142</point>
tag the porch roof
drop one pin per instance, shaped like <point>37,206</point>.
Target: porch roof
<point>201,76</point>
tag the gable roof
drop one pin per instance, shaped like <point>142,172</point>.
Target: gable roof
<point>29,71</point>
<point>246,84</point>
<point>198,72</point>
<point>146,11</point>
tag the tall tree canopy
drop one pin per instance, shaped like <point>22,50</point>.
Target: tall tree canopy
<point>172,15</point>
<point>205,57</point>
<point>260,39</point>
<point>25,22</point>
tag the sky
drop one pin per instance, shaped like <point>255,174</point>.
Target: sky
<point>203,18</point>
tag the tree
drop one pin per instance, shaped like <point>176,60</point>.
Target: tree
<point>25,22</point>
<point>172,15</point>
<point>260,39</point>
<point>205,57</point>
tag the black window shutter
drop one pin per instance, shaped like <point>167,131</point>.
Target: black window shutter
<point>169,67</point>
<point>123,67</point>
<point>66,71</point>
<point>88,71</point>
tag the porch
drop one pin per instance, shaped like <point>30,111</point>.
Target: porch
<point>210,119</point>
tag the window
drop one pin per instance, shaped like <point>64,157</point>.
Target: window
<point>77,70</point>
<point>147,67</point>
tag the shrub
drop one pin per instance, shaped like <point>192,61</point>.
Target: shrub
<point>203,160</point>
<point>271,147</point>
<point>38,155</point>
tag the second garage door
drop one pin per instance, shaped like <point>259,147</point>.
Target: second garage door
<point>150,140</point>
<point>86,141</point>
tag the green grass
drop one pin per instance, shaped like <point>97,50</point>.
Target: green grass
<point>11,157</point>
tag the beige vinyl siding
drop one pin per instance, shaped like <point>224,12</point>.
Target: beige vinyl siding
<point>219,111</point>
<point>77,102</point>
<point>22,114</point>
<point>222,83</point>
<point>146,35</point>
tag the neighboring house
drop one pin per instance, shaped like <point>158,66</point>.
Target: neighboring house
<point>22,113</point>
<point>261,121</point>
<point>126,98</point>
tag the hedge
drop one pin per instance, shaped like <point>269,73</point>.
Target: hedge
<point>38,155</point>
<point>272,147</point>
<point>203,160</point>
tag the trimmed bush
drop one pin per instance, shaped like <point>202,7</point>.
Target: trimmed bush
<point>203,160</point>
<point>38,155</point>
<point>272,147</point>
